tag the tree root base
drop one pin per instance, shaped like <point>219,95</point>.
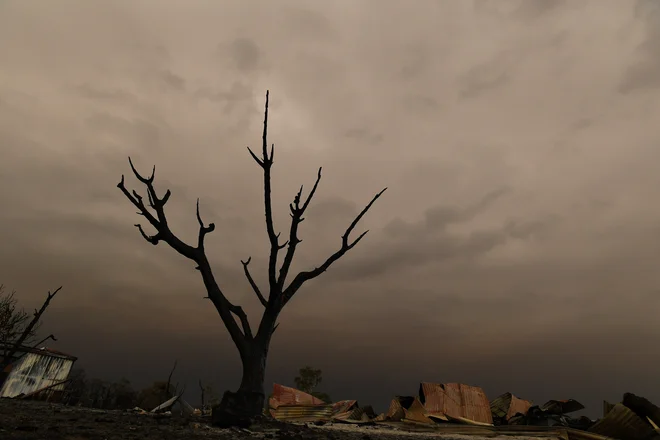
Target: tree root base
<point>240,409</point>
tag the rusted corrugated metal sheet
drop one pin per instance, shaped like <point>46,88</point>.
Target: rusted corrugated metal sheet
<point>37,370</point>
<point>346,410</point>
<point>355,415</point>
<point>290,396</point>
<point>349,411</point>
<point>397,405</point>
<point>517,406</point>
<point>643,408</point>
<point>302,413</point>
<point>560,407</point>
<point>416,412</point>
<point>343,406</point>
<point>622,423</point>
<point>507,405</point>
<point>456,401</point>
<point>607,407</point>
<point>395,411</point>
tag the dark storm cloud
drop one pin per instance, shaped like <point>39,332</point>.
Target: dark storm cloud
<point>484,77</point>
<point>437,218</point>
<point>333,208</point>
<point>421,104</point>
<point>306,23</point>
<point>538,8</point>
<point>363,135</point>
<point>246,54</point>
<point>416,60</point>
<point>173,81</point>
<point>136,131</point>
<point>644,73</point>
<point>428,241</point>
<point>100,93</point>
<point>520,223</point>
<point>236,94</point>
<point>419,247</point>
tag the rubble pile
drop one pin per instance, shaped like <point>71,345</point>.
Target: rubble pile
<point>443,409</point>
<point>464,409</point>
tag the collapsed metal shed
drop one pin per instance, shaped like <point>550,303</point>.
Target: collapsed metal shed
<point>38,369</point>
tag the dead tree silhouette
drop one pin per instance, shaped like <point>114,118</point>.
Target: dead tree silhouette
<point>252,347</point>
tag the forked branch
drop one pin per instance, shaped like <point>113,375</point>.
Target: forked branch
<point>254,286</point>
<point>203,230</point>
<point>278,295</point>
<point>28,330</point>
<point>266,162</point>
<point>226,309</point>
<point>346,245</point>
<point>297,211</point>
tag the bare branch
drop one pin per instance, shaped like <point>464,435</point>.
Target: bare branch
<point>153,239</point>
<point>264,136</point>
<point>149,180</point>
<point>311,193</point>
<point>28,330</point>
<point>51,336</point>
<point>196,254</point>
<point>136,200</point>
<point>266,163</point>
<point>254,156</point>
<point>297,212</point>
<point>203,230</point>
<point>238,311</point>
<point>344,237</point>
<point>201,387</point>
<point>304,276</point>
<point>166,197</point>
<point>169,380</point>
<point>262,300</point>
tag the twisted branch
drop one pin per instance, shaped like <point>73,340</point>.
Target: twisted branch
<point>225,309</point>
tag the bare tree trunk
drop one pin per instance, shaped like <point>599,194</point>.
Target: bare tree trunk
<point>250,398</point>
<point>251,389</point>
<point>201,388</point>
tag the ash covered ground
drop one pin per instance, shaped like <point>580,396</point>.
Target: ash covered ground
<point>29,420</point>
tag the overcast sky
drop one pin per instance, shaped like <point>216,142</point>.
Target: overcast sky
<point>518,245</point>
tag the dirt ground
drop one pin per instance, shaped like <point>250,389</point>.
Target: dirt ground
<point>27,420</point>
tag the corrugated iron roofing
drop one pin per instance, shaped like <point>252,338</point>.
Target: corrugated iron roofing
<point>395,411</point>
<point>416,412</point>
<point>36,371</point>
<point>290,396</point>
<point>507,405</point>
<point>355,415</point>
<point>43,350</point>
<point>607,407</point>
<point>562,406</point>
<point>343,406</point>
<point>622,423</point>
<point>642,407</point>
<point>302,413</point>
<point>456,400</point>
